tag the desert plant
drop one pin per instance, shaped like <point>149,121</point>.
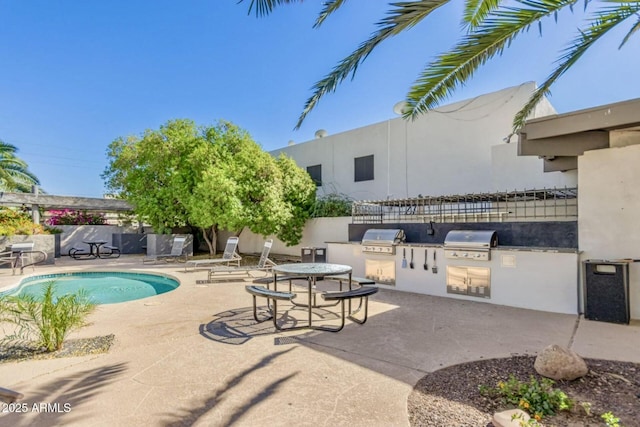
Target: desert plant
<point>47,319</point>
<point>14,221</point>
<point>610,419</point>
<point>538,398</point>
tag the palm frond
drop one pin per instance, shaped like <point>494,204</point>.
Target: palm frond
<point>453,68</point>
<point>475,11</point>
<point>265,7</point>
<point>604,20</point>
<point>14,172</point>
<point>631,32</point>
<point>330,6</point>
<point>402,16</point>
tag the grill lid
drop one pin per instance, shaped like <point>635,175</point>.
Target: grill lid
<point>383,237</point>
<point>475,239</point>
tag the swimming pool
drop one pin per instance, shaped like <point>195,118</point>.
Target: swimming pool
<point>103,287</point>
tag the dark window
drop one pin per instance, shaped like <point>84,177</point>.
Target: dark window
<point>363,167</point>
<point>315,172</point>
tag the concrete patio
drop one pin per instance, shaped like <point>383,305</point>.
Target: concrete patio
<point>195,356</point>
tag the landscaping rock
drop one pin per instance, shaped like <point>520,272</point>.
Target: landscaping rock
<point>560,363</point>
<point>510,418</point>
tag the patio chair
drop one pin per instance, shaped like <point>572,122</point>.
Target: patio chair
<point>22,255</point>
<point>177,251</point>
<point>229,257</point>
<point>8,257</point>
<point>223,272</point>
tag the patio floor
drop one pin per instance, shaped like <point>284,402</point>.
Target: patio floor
<point>195,356</point>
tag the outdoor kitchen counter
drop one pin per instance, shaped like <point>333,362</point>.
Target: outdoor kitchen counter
<point>538,278</point>
<point>498,248</point>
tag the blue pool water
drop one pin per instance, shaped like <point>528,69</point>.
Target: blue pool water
<point>102,287</point>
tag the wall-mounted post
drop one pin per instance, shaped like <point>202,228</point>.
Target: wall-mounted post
<point>35,209</point>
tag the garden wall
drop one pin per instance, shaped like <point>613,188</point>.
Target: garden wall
<point>317,232</point>
<point>42,242</point>
<point>74,235</point>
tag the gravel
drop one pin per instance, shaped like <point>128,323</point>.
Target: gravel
<point>450,396</point>
<point>71,348</point>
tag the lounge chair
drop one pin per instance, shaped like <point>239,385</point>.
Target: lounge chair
<point>222,272</point>
<point>21,254</point>
<point>177,251</point>
<point>229,257</point>
<point>8,257</point>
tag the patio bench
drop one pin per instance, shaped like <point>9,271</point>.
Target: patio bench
<point>363,293</point>
<point>113,251</point>
<point>76,253</point>
<point>261,291</point>
<point>362,281</point>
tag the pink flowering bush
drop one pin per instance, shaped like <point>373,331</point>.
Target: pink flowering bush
<point>71,217</point>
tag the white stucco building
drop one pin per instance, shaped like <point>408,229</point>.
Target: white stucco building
<point>465,147</point>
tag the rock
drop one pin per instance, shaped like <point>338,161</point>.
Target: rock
<point>559,363</point>
<point>510,418</point>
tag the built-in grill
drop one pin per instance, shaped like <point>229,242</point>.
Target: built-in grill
<point>470,244</point>
<point>382,240</point>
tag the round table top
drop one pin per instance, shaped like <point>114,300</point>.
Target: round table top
<point>312,269</point>
<point>95,242</point>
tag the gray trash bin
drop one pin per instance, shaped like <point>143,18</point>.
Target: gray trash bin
<point>314,254</point>
<point>606,291</point>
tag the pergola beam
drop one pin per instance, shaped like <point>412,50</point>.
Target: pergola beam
<point>47,201</point>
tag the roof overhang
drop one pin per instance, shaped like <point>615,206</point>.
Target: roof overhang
<point>559,139</point>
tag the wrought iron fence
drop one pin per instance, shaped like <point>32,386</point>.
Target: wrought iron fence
<point>525,205</point>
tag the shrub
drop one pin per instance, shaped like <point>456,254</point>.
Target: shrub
<point>73,217</point>
<point>536,398</point>
<point>15,221</point>
<point>332,205</point>
<point>45,320</point>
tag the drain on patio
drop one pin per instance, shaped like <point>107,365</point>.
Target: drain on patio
<point>285,340</point>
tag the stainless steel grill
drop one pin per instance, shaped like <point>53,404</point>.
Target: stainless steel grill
<point>470,244</point>
<point>382,240</point>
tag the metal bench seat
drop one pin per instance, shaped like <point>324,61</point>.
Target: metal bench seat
<point>112,252</point>
<point>363,293</point>
<point>261,291</point>
<point>361,281</point>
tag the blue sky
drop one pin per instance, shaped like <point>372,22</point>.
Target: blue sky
<point>76,75</point>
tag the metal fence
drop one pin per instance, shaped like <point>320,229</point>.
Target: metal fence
<point>526,205</point>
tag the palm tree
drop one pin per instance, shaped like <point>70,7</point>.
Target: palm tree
<point>491,26</point>
<point>14,172</point>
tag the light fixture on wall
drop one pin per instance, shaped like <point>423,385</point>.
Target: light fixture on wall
<point>507,138</point>
<point>400,107</point>
<point>321,133</point>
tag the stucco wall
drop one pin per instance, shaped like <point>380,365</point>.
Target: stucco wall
<point>316,233</point>
<point>74,235</point>
<point>512,172</point>
<point>446,151</point>
<point>608,208</point>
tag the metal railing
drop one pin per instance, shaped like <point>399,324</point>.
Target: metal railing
<point>541,204</point>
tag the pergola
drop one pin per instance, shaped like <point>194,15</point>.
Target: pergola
<point>35,200</point>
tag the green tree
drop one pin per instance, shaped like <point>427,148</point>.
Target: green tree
<point>214,178</point>
<point>14,172</point>
<point>491,26</point>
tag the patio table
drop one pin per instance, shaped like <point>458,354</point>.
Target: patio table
<point>94,250</point>
<point>311,271</point>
